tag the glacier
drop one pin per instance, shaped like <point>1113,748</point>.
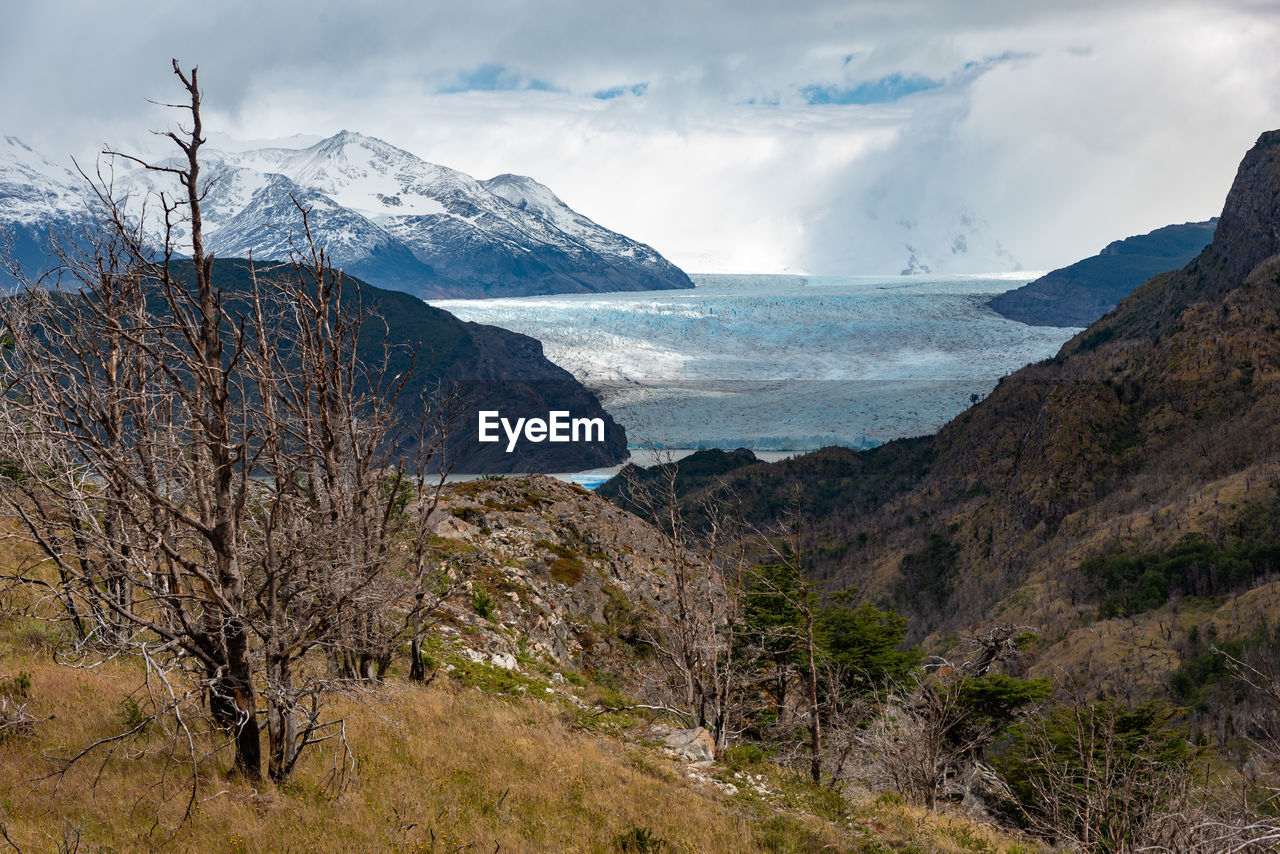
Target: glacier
<point>781,362</point>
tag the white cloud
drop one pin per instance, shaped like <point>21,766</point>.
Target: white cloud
<point>1102,120</point>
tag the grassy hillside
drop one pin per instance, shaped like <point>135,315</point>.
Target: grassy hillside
<point>481,759</point>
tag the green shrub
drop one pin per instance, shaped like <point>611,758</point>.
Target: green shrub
<point>133,716</point>
<point>639,840</point>
<point>15,720</point>
<point>567,570</point>
<point>16,686</point>
<point>742,756</point>
<point>41,637</point>
<point>1106,767</point>
<point>1130,583</point>
<point>470,515</point>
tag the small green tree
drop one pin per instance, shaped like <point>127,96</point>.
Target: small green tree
<point>772,626</point>
<point>865,644</point>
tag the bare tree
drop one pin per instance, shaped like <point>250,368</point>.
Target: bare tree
<point>928,737</point>
<point>694,639</point>
<point>922,739</point>
<point>1100,774</point>
<point>432,582</point>
<point>1198,819</point>
<point>208,466</point>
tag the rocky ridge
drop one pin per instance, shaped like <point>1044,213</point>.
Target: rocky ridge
<point>1078,294</point>
<point>546,571</point>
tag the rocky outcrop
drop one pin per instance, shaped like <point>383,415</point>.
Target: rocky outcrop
<point>691,745</point>
<point>1249,229</point>
<point>547,571</point>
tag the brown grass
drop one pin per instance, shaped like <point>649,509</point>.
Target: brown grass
<point>445,768</point>
<point>437,769</point>
<point>442,768</point>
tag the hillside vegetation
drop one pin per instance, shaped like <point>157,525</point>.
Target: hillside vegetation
<point>1112,497</point>
<point>480,759</point>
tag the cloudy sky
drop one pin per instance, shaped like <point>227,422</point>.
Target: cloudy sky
<point>733,135</point>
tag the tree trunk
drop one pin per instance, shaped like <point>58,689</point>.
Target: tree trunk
<point>417,665</point>
<point>239,682</point>
<point>815,719</point>
<point>282,731</point>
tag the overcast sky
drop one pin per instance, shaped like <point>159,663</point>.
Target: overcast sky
<point>732,135</point>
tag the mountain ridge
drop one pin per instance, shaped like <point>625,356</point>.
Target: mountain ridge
<point>384,215</point>
<point>1080,293</point>
<point>1155,424</point>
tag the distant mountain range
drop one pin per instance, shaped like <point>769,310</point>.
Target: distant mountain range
<point>383,214</point>
<point>1079,294</point>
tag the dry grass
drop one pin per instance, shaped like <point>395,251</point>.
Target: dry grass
<point>442,768</point>
<point>445,768</point>
<point>437,769</point>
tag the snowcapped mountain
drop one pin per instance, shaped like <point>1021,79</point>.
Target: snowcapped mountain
<point>40,204</point>
<point>383,214</point>
<point>33,189</point>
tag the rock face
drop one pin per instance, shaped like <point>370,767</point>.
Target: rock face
<point>691,745</point>
<point>1079,294</point>
<point>564,576</point>
<point>1249,229</point>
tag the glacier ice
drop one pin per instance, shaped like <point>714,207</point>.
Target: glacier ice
<point>781,362</point>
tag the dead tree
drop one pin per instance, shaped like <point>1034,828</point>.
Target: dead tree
<point>126,422</point>
<point>694,635</point>
<point>205,466</point>
<point>432,583</point>
<point>1197,821</point>
<point>324,499</point>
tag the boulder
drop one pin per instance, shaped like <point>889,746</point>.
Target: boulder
<point>504,660</point>
<point>692,745</point>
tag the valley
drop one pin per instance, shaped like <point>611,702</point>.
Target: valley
<point>780,363</point>
<point>987,587</point>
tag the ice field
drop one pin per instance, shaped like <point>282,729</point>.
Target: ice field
<point>781,362</point>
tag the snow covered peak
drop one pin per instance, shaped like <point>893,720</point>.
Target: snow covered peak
<point>365,174</point>
<point>527,194</point>
<point>530,196</point>
<point>383,213</point>
<point>32,188</point>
